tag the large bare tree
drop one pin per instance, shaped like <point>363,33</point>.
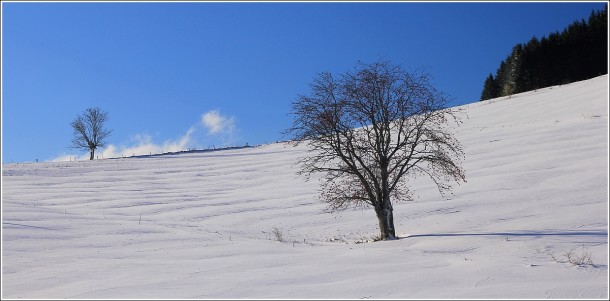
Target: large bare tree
<point>368,130</point>
<point>89,131</point>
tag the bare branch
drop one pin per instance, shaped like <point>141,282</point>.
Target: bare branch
<point>89,131</point>
<point>369,129</point>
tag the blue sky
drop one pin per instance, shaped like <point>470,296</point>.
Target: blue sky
<point>193,75</point>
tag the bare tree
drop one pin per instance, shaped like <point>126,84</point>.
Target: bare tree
<point>89,131</point>
<point>369,130</point>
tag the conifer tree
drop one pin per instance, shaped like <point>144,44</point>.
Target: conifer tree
<point>579,52</point>
<point>490,89</point>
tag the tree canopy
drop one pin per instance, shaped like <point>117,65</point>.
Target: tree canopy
<point>89,131</point>
<point>369,130</point>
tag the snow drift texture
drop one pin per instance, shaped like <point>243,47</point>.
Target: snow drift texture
<point>241,224</point>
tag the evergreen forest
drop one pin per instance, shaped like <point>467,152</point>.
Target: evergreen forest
<point>579,52</point>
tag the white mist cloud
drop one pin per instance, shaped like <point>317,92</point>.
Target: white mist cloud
<point>216,123</point>
<point>145,146</point>
<point>221,130</point>
<point>221,127</point>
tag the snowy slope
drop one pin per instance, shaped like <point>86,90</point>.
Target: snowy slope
<point>200,225</point>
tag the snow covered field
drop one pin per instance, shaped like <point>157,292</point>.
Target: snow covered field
<point>201,225</point>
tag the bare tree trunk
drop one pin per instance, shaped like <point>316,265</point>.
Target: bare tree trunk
<point>92,151</point>
<point>385,216</point>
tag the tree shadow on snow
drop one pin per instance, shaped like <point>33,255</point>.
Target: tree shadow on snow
<point>598,233</point>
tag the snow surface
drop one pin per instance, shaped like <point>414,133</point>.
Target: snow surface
<point>201,225</point>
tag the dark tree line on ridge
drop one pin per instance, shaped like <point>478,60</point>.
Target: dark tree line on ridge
<point>579,52</point>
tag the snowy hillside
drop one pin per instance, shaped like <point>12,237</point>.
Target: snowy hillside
<point>201,225</point>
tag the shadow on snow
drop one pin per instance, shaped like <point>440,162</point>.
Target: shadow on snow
<point>523,233</point>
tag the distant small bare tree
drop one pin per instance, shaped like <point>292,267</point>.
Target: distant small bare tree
<point>89,131</point>
<point>369,130</point>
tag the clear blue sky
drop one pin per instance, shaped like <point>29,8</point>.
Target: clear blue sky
<point>159,68</point>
